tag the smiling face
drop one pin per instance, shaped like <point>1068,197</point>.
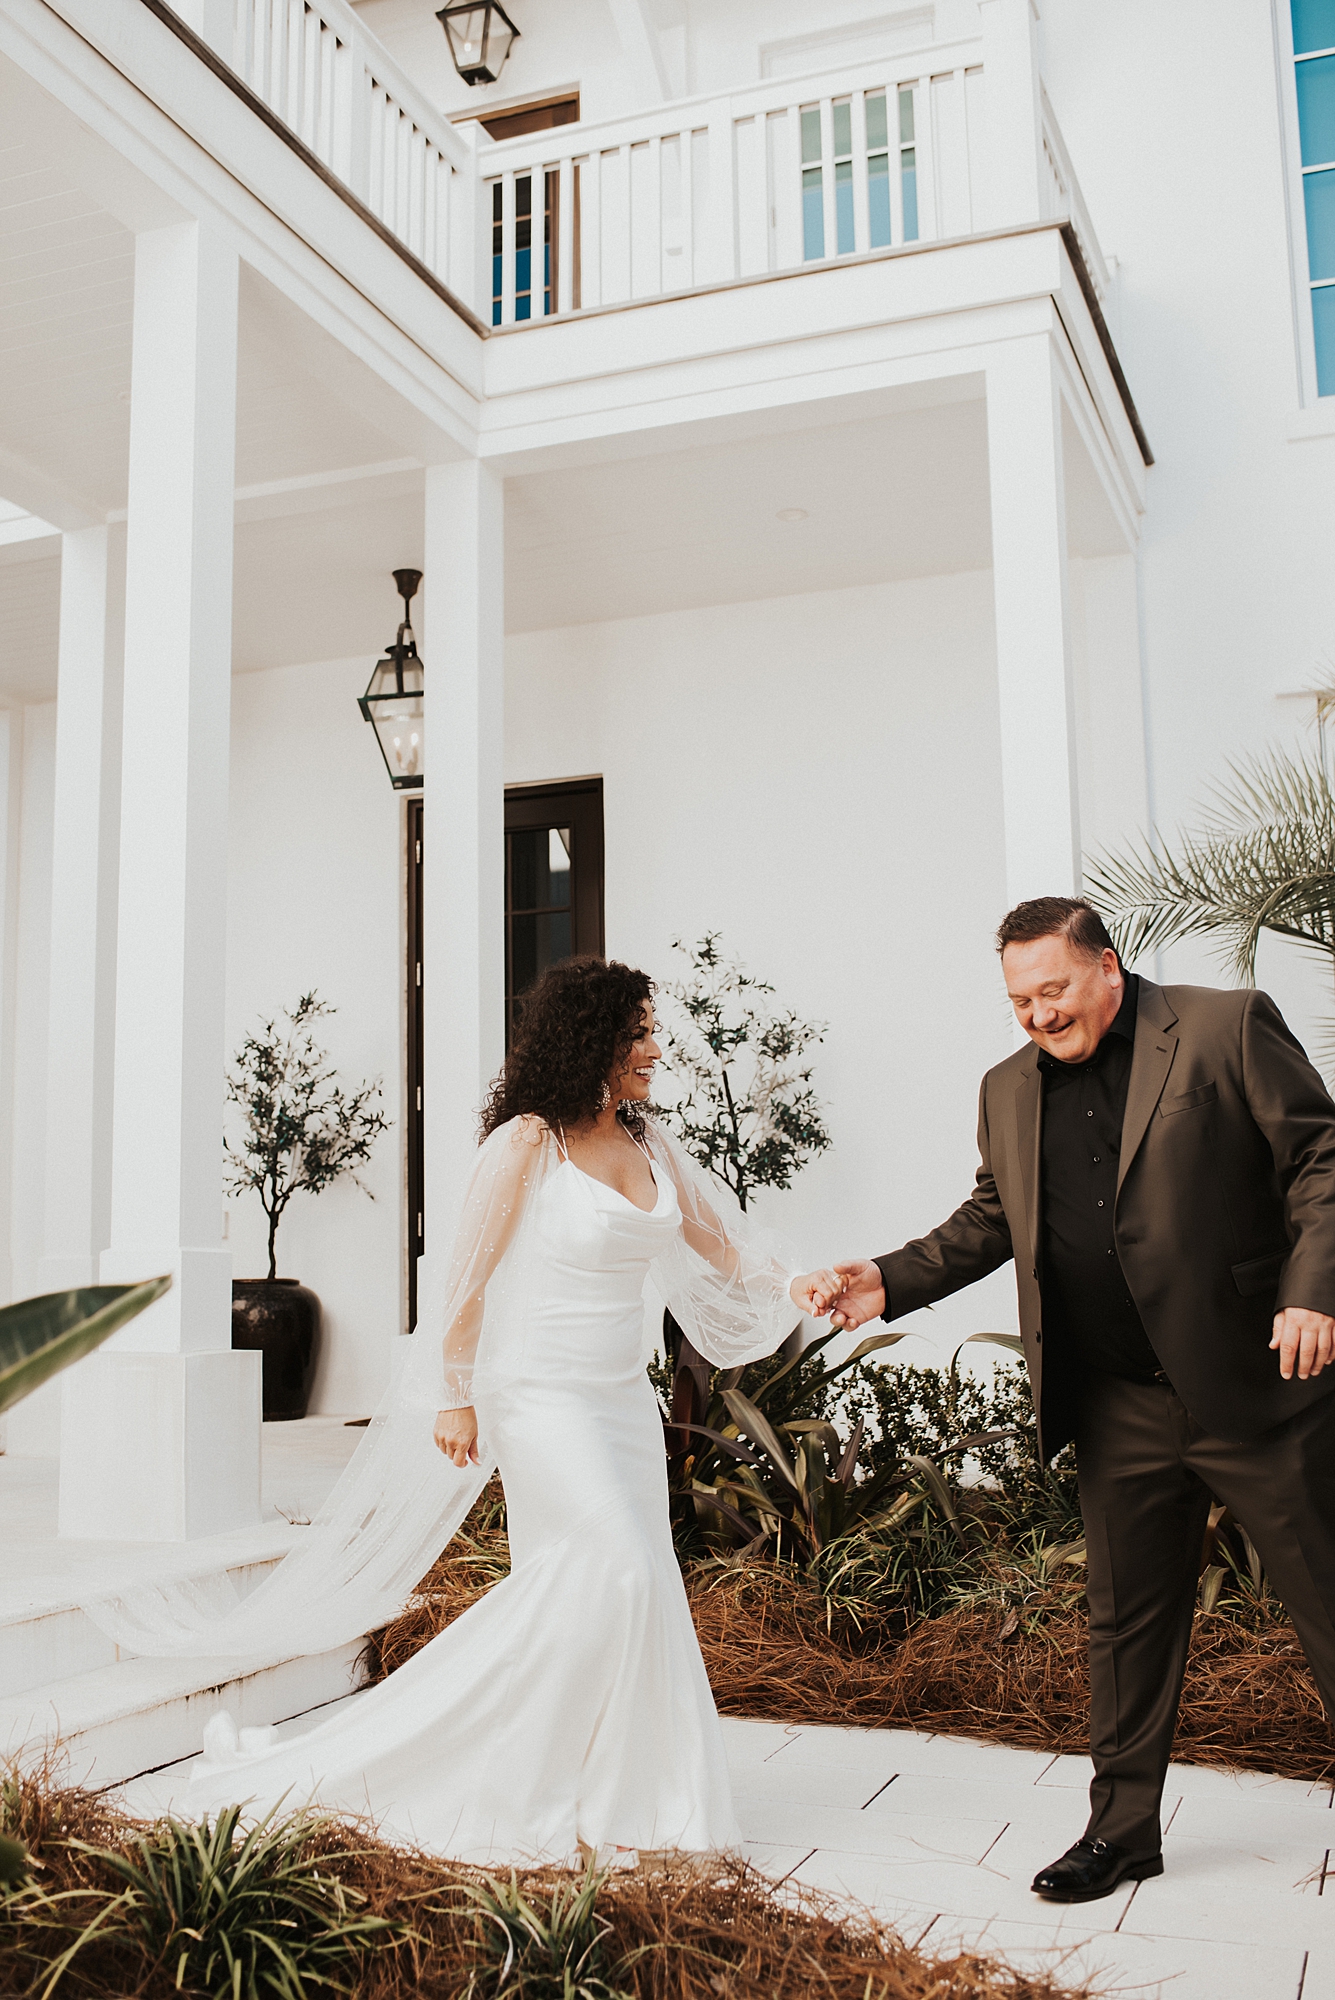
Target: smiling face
<point>1064,1000</point>
<point>635,1081</point>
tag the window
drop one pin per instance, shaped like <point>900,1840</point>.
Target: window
<point>553,908</point>
<point>1314,78</point>
<point>881,161</point>
<point>553,881</point>
<point>545,244</point>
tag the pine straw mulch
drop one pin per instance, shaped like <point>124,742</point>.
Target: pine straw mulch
<point>676,1932</point>
<point>1248,1703</point>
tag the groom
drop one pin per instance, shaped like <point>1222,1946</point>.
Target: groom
<point>1160,1163</point>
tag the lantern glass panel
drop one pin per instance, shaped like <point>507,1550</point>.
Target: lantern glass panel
<point>479,38</point>
<point>393,705</point>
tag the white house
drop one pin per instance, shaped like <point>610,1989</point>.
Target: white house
<point>872,459</point>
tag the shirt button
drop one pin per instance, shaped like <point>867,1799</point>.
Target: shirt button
<point>1097,1158</point>
<point>1100,1204</point>
<point>1089,1114</point>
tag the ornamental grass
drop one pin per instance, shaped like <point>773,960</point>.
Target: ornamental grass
<point>380,1922</point>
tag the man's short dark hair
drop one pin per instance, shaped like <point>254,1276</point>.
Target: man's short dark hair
<point>1069,917</point>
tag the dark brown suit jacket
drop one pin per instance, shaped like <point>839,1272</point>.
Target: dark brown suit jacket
<point>1225,1208</point>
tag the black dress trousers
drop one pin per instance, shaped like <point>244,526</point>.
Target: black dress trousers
<point>1147,1473</point>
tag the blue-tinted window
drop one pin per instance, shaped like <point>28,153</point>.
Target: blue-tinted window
<point>1316,110</point>
<point>813,214</point>
<point>1313,25</point>
<point>878,199</point>
<point>908,166</point>
<point>1323,328</point>
<point>1314,82</point>
<point>813,194</point>
<point>1319,197</point>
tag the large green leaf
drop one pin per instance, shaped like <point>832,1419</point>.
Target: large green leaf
<point>39,1337</point>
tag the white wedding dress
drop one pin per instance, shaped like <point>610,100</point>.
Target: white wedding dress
<point>569,1705</point>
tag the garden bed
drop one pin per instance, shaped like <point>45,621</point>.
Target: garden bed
<point>354,1915</point>
<point>778,1647</point>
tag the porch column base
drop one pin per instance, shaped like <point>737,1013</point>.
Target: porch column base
<point>160,1447</point>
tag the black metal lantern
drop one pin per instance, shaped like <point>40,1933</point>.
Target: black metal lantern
<point>479,33</point>
<point>392,703</point>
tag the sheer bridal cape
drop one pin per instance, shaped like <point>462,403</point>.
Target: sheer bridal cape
<point>400,1500</point>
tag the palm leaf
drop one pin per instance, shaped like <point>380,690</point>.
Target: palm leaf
<point>39,1337</point>
<point>1263,860</point>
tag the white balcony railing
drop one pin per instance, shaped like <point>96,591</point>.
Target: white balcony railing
<point>784,173</point>
<point>791,171</point>
<point>315,67</point>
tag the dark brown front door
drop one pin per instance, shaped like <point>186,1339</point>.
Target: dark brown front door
<point>553,909</point>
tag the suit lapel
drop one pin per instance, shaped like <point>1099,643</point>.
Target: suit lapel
<point>1028,1124</point>
<point>1151,1059</point>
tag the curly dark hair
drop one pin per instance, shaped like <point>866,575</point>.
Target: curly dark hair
<point>576,1028</point>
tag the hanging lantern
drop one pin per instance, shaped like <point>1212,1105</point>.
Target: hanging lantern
<point>392,703</point>
<point>480,36</point>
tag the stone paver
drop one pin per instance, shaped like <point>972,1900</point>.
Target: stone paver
<point>941,1836</point>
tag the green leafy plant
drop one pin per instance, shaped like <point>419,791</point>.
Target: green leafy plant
<point>745,1108</point>
<point>536,1948</point>
<point>773,1474</point>
<point>1263,860</point>
<point>39,1337</point>
<point>256,1913</point>
<point>301,1130</point>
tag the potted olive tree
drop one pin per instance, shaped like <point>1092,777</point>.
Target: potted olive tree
<point>300,1131</point>
<point>744,1106</point>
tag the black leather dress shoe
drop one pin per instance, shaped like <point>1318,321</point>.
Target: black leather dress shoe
<point>1093,1868</point>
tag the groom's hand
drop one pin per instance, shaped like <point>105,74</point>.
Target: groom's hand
<point>854,1290</point>
<point>1305,1340</point>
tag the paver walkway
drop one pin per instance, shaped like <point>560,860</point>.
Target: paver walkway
<point>942,1836</point>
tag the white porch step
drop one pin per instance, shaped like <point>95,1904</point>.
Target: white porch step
<point>116,1722</point>
<point>45,1637</point>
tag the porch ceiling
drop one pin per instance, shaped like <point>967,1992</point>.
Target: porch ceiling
<point>884,498</point>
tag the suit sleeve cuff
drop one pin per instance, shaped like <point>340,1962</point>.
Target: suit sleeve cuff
<point>880,1263</point>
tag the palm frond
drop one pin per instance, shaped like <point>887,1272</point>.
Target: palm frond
<point>1263,860</point>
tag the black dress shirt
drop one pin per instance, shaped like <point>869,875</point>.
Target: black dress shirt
<point>1089,1318</point>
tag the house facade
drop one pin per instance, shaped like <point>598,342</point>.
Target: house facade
<point>859,466</point>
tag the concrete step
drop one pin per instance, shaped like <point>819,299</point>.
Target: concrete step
<point>114,1723</point>
<point>45,1637</point>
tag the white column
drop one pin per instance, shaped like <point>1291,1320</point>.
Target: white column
<point>1011,94</point>
<point>162,1426</point>
<point>1034,673</point>
<point>81,1015</point>
<point>463,975</point>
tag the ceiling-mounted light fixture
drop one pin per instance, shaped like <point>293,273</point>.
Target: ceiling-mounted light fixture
<point>480,35</point>
<point>393,702</point>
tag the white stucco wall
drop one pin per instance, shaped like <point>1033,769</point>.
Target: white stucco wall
<point>314,900</point>
<point>816,778</point>
<point>1173,118</point>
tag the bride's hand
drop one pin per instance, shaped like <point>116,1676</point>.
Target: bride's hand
<point>456,1435</point>
<point>851,1293</point>
<point>816,1292</point>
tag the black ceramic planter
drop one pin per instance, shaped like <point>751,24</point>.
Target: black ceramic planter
<point>282,1319</point>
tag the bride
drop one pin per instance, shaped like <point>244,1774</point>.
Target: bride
<point>569,1708</point>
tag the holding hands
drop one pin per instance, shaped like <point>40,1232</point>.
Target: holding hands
<point>851,1293</point>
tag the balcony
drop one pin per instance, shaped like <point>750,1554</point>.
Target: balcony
<point>932,145</point>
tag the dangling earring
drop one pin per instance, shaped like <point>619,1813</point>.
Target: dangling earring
<point>606,1097</point>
